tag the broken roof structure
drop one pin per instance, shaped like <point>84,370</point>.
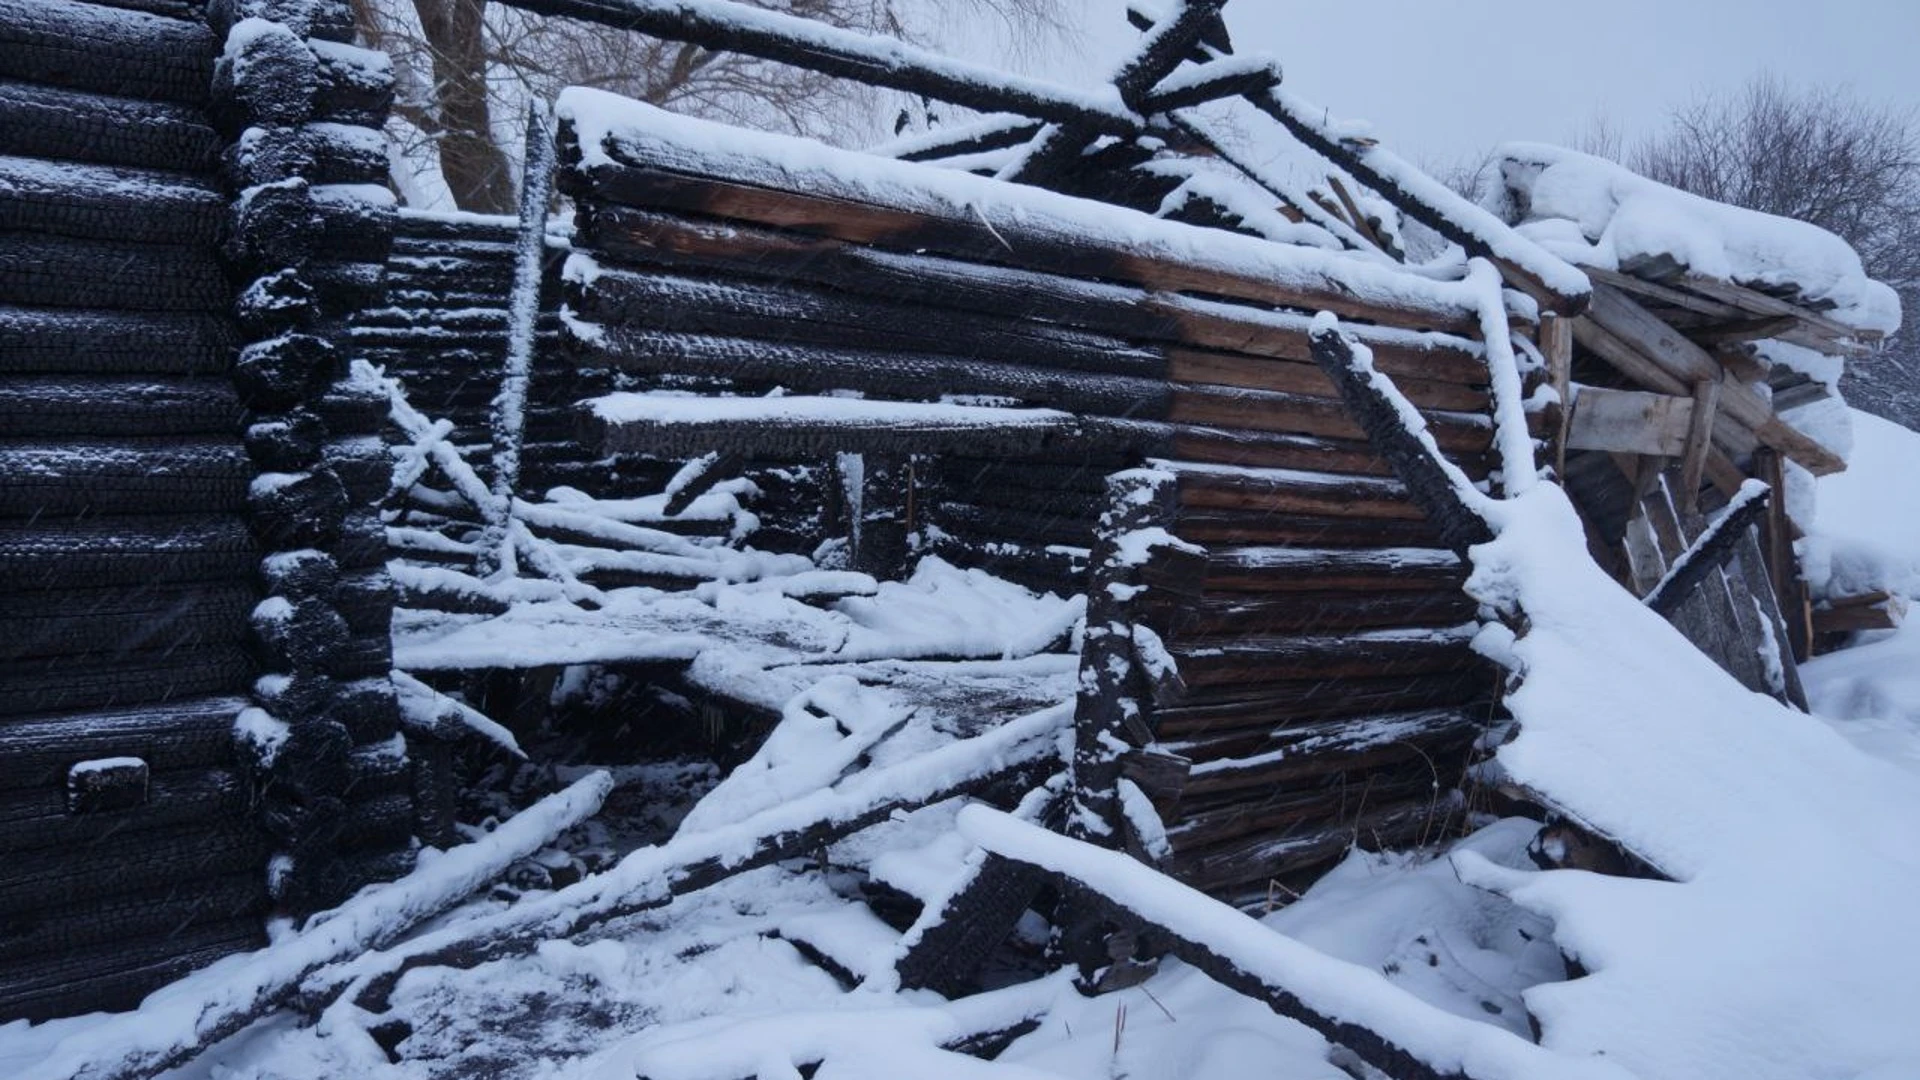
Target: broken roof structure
<point>1062,459</point>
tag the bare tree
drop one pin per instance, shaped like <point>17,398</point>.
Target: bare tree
<point>464,66</point>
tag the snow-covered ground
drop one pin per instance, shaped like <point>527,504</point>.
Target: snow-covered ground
<point>1784,948</point>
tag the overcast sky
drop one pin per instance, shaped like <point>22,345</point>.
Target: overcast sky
<point>1442,79</point>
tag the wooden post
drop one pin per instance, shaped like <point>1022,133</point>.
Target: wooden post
<point>1556,344</point>
<point>1782,566</point>
<point>885,492</point>
<point>509,417</point>
<point>1693,464</point>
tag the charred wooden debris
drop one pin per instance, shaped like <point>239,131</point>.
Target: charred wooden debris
<point>313,490</point>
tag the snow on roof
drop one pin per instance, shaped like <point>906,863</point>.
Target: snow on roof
<point>1621,219</point>
<point>607,124</point>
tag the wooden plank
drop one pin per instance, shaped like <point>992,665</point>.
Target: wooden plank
<point>1630,421</point>
<point>1684,364</point>
<point>1556,345</point>
<point>662,177</point>
<point>1191,365</point>
<point>1693,459</point>
<point>651,238</point>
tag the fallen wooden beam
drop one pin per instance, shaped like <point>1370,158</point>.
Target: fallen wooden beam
<point>1712,548</point>
<point>1433,483</point>
<point>1387,1027</point>
<point>724,26</point>
<point>1016,754</point>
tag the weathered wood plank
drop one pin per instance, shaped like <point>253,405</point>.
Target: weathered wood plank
<point>1631,421</point>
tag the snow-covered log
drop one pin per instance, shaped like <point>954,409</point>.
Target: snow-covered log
<point>876,61</point>
<point>1399,433</point>
<point>175,1024</point>
<point>1710,549</point>
<point>1355,1007</point>
<point>1015,755</point>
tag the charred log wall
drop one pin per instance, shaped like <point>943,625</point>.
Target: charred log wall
<point>127,575</point>
<point>1330,693</point>
<point>308,233</point>
<point>162,445</point>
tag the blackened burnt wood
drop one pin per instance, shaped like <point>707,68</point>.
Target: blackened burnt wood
<point>110,680</point>
<point>1292,569</point>
<point>1708,552</point>
<point>1239,761</point>
<point>652,238</point>
<point>772,199</point>
<point>1213,527</point>
<point>35,752</point>
<point>817,368</point>
<point>1427,480</point>
<point>1259,708</point>
<point>1191,365</point>
<point>132,918</point>
<point>99,406</point>
<point>64,272</point>
<point>1221,614</point>
<point>80,342</point>
<point>130,863</point>
<point>315,153</point>
<point>678,879</point>
<point>103,202</point>
<point>1307,804</point>
<point>72,125</point>
<point>1261,410</point>
<point>39,818</point>
<point>1280,491</point>
<point>1249,660</point>
<point>96,477</point>
<point>84,46</point>
<point>156,550</point>
<point>1237,861</point>
<point>116,976</point>
<point>948,955</point>
<point>1110,707</point>
<point>802,315</point>
<point>112,620</point>
<point>1034,525</point>
<point>1060,147</point>
<point>873,61</point>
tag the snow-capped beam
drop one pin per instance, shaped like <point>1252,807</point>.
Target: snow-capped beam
<point>1014,756</point>
<point>1399,434</point>
<point>1058,149</point>
<point>1711,549</point>
<point>1356,1007</point>
<point>1556,284</point>
<point>725,26</point>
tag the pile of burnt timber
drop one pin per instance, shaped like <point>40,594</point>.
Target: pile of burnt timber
<point>1322,641</point>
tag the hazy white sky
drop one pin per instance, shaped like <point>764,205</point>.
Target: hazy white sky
<point>1442,79</point>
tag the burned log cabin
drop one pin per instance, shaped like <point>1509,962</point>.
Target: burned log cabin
<point>1064,421</point>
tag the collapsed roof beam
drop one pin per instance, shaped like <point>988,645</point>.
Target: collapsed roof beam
<point>727,26</point>
<point>1163,49</point>
<point>1556,285</point>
